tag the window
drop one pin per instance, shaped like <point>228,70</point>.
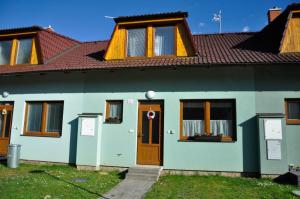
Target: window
<point>136,41</point>
<point>114,111</point>
<point>5,49</point>
<point>164,41</point>
<point>24,51</point>
<point>292,109</point>
<point>207,120</point>
<point>17,51</point>
<point>44,118</point>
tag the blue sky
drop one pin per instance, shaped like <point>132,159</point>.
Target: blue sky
<point>84,19</point>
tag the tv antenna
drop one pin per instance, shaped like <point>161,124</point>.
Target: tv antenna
<point>218,18</point>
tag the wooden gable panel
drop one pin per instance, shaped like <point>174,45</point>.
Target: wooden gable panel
<point>184,45</point>
<point>291,40</point>
<point>116,48</point>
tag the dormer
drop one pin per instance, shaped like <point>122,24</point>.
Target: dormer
<point>291,37</point>
<point>150,36</point>
<point>18,48</point>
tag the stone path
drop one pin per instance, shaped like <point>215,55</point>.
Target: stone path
<point>138,181</point>
<point>129,189</point>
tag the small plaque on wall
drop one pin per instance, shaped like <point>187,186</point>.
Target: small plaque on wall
<point>274,149</point>
<point>273,129</point>
<point>88,126</point>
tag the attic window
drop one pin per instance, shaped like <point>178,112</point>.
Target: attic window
<point>18,51</point>
<point>136,42</point>
<point>5,50</point>
<point>164,41</point>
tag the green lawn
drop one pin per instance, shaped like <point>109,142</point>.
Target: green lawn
<point>53,181</point>
<point>210,187</point>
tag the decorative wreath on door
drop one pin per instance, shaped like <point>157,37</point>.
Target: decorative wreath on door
<point>151,115</point>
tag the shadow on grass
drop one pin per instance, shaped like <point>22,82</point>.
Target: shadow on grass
<point>67,182</point>
<point>3,160</point>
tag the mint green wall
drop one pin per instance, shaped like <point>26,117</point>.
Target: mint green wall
<point>273,85</point>
<point>87,92</point>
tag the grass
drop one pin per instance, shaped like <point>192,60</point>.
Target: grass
<point>209,187</point>
<point>53,181</point>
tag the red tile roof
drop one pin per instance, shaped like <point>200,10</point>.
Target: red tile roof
<point>61,53</point>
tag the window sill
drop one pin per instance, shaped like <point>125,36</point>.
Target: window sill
<point>209,139</point>
<point>293,122</point>
<point>54,135</point>
<point>113,121</point>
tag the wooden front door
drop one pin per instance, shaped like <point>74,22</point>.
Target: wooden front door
<point>150,133</point>
<point>5,127</point>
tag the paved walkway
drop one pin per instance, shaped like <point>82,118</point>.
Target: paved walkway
<point>129,189</point>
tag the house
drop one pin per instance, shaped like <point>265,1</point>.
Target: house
<point>154,94</point>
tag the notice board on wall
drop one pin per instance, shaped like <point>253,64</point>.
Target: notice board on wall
<point>274,149</point>
<point>88,126</point>
<point>273,129</point>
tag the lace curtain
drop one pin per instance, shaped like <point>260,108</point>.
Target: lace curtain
<point>191,127</point>
<point>164,41</point>
<point>5,48</point>
<point>136,42</point>
<point>115,111</point>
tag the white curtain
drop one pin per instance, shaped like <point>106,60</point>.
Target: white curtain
<point>115,111</point>
<point>223,127</point>
<point>136,42</point>
<point>191,127</point>
<point>164,41</point>
<point>5,48</point>
<point>24,51</point>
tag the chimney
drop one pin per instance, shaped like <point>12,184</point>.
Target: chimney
<point>273,13</point>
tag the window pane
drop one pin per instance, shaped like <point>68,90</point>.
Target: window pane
<point>136,42</point>
<point>5,49</point>
<point>8,124</point>
<point>115,110</point>
<point>1,124</point>
<point>34,117</point>
<point>54,117</point>
<point>193,118</point>
<point>145,128</point>
<point>221,114</point>
<point>24,51</point>
<point>294,110</point>
<point>164,41</point>
<point>155,129</point>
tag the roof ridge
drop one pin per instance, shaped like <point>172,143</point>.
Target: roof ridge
<point>61,35</point>
<point>106,40</point>
<point>225,33</point>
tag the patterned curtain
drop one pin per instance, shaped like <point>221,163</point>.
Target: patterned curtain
<point>136,42</point>
<point>5,48</point>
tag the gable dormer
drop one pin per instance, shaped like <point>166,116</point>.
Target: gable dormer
<point>18,46</point>
<point>291,38</point>
<point>147,36</point>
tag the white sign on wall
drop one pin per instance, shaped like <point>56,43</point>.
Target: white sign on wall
<point>274,149</point>
<point>88,126</point>
<point>273,129</point>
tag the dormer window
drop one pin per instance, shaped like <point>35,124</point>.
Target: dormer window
<point>17,51</point>
<point>24,51</point>
<point>136,40</point>
<point>151,36</point>
<point>5,50</point>
<point>164,41</point>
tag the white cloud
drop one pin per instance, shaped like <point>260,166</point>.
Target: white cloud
<point>246,29</point>
<point>201,24</point>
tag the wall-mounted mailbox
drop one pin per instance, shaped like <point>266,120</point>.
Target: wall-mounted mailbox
<point>89,141</point>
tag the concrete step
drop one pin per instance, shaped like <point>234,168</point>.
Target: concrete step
<point>144,173</point>
<point>146,177</point>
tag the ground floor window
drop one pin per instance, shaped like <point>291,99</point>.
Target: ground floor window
<point>44,118</point>
<point>292,111</point>
<point>207,120</point>
<point>114,111</point>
